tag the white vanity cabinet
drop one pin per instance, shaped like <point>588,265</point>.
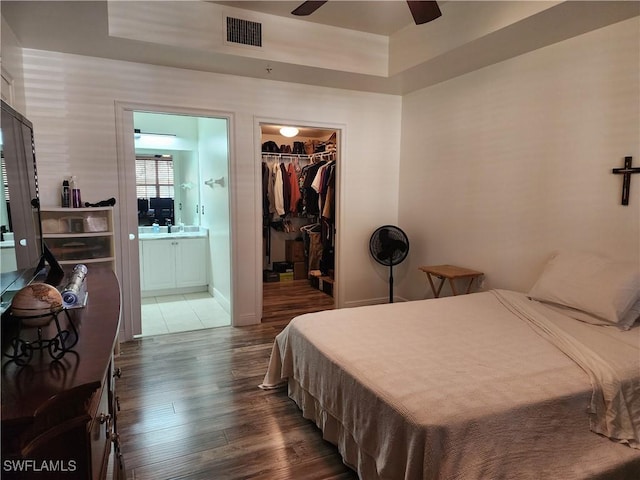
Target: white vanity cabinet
<point>191,262</point>
<point>157,264</point>
<point>173,263</point>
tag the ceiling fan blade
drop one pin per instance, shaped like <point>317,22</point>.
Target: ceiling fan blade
<point>307,8</point>
<point>422,12</point>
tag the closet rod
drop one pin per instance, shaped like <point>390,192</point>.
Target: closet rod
<point>300,156</point>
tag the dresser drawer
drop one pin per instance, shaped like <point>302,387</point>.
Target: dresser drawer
<point>99,435</point>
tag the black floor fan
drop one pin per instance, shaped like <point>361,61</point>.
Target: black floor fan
<point>389,246</point>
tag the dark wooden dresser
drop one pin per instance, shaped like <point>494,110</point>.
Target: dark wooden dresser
<point>59,418</point>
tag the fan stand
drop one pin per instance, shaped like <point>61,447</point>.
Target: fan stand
<point>389,246</point>
<point>391,282</point>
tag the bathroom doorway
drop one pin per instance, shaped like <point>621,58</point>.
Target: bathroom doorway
<point>176,168</point>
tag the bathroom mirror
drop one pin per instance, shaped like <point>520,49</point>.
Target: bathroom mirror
<point>168,150</point>
<point>166,188</point>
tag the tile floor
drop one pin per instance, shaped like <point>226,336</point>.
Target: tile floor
<point>180,313</point>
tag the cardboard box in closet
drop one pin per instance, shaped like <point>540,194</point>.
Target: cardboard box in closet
<point>299,270</point>
<point>294,251</point>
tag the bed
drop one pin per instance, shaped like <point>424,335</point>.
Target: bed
<point>496,384</point>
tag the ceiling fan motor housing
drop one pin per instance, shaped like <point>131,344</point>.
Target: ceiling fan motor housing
<point>422,11</point>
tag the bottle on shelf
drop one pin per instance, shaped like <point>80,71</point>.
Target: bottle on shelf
<point>66,194</point>
<point>75,193</point>
<point>155,226</point>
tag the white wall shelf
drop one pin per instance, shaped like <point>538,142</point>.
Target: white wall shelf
<point>79,235</point>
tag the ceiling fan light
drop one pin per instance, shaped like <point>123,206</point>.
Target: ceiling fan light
<point>289,132</point>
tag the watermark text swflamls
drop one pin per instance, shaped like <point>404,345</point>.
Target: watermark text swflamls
<point>30,465</point>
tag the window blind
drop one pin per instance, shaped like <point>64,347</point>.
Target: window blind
<point>5,181</point>
<point>154,176</point>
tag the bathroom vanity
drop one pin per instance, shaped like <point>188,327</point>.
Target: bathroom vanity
<point>173,262</point>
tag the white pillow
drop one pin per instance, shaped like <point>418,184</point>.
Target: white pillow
<point>594,284</point>
<point>631,317</point>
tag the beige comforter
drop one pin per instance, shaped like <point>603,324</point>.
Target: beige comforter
<point>481,386</point>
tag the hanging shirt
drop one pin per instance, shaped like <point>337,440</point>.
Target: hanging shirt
<point>317,179</point>
<point>270,192</point>
<point>278,192</point>
<point>266,177</point>
<point>319,184</point>
<point>295,188</point>
<point>310,195</point>
<point>286,189</point>
<point>328,210</point>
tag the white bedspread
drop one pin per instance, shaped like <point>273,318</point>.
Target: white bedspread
<point>612,363</point>
<point>469,387</point>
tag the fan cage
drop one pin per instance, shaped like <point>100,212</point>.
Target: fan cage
<point>396,248</point>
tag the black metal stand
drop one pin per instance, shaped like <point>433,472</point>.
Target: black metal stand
<point>21,351</point>
<point>56,273</point>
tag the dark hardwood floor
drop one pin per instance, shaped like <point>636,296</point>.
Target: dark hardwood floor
<point>191,407</point>
<point>284,300</point>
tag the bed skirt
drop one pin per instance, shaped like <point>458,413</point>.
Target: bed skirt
<point>333,431</point>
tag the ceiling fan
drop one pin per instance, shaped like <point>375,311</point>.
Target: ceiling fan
<point>422,11</point>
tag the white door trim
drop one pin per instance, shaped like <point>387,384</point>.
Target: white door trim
<point>340,128</point>
<point>127,265</point>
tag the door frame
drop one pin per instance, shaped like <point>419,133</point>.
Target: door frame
<point>340,128</point>
<point>128,260</point>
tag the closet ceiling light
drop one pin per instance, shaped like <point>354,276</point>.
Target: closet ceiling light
<point>289,131</point>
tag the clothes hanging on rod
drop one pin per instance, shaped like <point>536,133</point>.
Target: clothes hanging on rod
<point>301,185</point>
<point>286,184</point>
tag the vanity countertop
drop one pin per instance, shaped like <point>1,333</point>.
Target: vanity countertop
<point>7,241</point>
<point>146,233</point>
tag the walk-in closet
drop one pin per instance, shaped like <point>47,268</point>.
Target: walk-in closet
<point>298,217</point>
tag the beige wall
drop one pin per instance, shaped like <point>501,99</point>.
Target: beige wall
<point>506,164</point>
<point>499,167</point>
<point>11,61</point>
<point>70,100</point>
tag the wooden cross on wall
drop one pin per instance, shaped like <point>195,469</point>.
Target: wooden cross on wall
<point>626,171</point>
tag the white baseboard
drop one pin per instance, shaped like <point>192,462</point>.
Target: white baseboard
<point>222,300</point>
<point>173,291</point>
<point>244,320</point>
<point>373,301</point>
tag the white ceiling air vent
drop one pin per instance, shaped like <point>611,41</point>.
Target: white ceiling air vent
<point>244,32</point>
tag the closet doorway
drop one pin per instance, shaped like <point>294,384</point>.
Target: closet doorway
<point>299,179</point>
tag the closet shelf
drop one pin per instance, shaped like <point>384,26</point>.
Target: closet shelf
<point>299,156</point>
